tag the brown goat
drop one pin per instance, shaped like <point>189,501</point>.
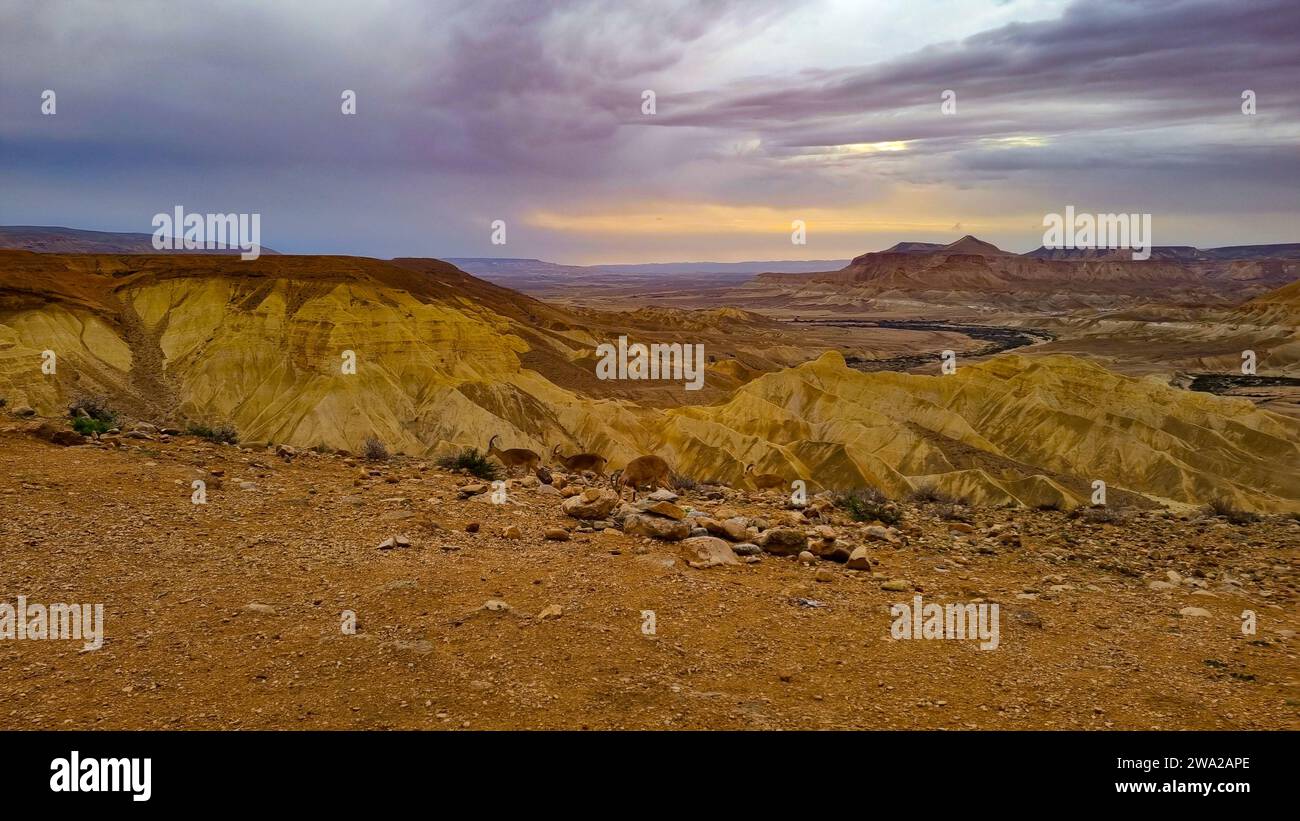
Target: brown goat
<point>579,462</point>
<point>764,481</point>
<point>514,457</point>
<point>641,471</point>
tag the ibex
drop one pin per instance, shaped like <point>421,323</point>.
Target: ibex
<point>579,462</point>
<point>764,481</point>
<point>514,457</point>
<point>641,471</point>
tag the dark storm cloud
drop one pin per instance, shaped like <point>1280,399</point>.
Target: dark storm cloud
<point>472,111</point>
<point>1101,66</point>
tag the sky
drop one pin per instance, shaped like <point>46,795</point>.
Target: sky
<point>765,112</point>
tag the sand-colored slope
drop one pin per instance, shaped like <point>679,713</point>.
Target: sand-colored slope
<point>1037,430</point>
<point>445,360</point>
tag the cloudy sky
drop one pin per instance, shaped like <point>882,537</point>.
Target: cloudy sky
<point>767,111</point>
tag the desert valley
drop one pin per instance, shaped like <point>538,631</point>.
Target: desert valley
<point>649,365</point>
<point>330,489</point>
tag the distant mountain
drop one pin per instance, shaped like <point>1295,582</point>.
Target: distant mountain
<point>970,270</point>
<point>913,247</point>
<point>970,245</point>
<point>1185,253</point>
<point>55,240</point>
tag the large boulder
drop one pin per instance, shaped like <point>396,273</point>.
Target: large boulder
<point>783,541</point>
<point>661,508</point>
<point>656,527</point>
<point>592,503</point>
<point>859,559</point>
<point>706,551</point>
<point>56,435</point>
<point>734,529</point>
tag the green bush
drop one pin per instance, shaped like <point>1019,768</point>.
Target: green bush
<point>93,407</point>
<point>472,462</point>
<point>224,433</point>
<point>87,426</point>
<point>867,505</point>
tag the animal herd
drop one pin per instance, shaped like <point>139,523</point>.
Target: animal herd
<point>644,471</point>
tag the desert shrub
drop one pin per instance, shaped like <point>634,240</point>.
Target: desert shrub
<point>86,425</point>
<point>868,504</point>
<point>470,461</point>
<point>1225,509</point>
<point>373,450</point>
<point>224,433</point>
<point>1097,515</point>
<point>681,482</point>
<point>93,407</point>
<point>952,513</point>
<point>928,493</point>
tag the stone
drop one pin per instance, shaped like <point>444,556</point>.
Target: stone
<point>824,575</point>
<point>807,557</point>
<point>897,586</point>
<point>663,494</point>
<point>551,611</point>
<point>56,435</point>
<point>746,549</point>
<point>702,552</point>
<point>495,606</point>
<point>387,544</point>
<point>1195,612</point>
<point>258,607</point>
<point>592,503</point>
<point>1027,617</point>
<point>472,527</point>
<point>859,559</point>
<point>734,528</point>
<point>667,509</point>
<point>783,541</point>
<point>880,534</point>
<point>1159,585</point>
<point>555,534</point>
<point>512,532</point>
<point>402,541</point>
<point>656,527</point>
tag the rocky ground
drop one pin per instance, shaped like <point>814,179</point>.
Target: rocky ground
<point>525,614</point>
